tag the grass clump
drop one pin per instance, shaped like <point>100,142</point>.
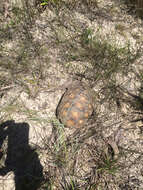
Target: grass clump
<point>76,163</point>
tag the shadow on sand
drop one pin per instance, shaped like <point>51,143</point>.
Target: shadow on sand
<point>20,158</point>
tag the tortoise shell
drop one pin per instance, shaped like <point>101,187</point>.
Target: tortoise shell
<point>76,105</point>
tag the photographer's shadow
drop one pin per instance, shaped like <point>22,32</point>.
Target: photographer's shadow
<point>20,158</point>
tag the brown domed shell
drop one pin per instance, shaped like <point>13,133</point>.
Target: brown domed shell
<point>76,105</point>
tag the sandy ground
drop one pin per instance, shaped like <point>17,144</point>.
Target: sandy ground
<point>35,102</point>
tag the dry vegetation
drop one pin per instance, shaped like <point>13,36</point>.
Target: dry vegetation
<point>45,43</point>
